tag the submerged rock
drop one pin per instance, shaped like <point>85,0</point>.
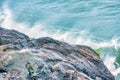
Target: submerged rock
<point>48,59</point>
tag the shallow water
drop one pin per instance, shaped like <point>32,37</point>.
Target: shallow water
<point>95,23</point>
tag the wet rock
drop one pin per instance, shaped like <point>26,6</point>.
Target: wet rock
<point>5,60</point>
<point>23,58</point>
<point>13,38</point>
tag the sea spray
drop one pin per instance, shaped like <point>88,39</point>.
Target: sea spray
<point>89,28</point>
<point>39,31</point>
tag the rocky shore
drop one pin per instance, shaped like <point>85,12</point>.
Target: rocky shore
<point>24,58</point>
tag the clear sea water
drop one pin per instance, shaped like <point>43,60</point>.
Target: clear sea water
<point>95,23</point>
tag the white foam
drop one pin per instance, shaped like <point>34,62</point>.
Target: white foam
<point>115,72</point>
<point>109,61</point>
<point>38,31</point>
<point>83,39</point>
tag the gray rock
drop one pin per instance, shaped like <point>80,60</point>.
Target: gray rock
<point>48,59</point>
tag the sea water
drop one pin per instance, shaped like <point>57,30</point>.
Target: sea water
<point>95,23</point>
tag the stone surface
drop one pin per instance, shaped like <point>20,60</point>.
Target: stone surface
<point>23,58</point>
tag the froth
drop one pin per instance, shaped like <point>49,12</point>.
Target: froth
<point>38,30</point>
<point>82,37</point>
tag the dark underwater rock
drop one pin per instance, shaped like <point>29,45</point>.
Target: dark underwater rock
<point>49,59</point>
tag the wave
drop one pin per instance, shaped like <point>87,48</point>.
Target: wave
<point>82,37</point>
<point>71,37</point>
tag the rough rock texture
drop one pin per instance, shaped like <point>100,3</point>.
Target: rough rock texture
<point>22,58</point>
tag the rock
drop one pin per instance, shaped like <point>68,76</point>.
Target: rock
<point>48,59</point>
<point>5,60</point>
<point>13,38</point>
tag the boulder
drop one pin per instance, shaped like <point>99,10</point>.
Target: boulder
<point>47,59</point>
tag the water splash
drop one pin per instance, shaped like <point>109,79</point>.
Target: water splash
<point>82,37</point>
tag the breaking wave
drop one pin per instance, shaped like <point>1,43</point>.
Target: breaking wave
<point>108,48</point>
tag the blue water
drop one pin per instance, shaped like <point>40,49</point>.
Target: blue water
<point>100,17</point>
<point>75,21</point>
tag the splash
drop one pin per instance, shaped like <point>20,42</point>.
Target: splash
<point>71,37</point>
<point>82,37</point>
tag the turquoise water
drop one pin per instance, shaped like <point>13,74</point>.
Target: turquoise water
<point>95,23</point>
<point>100,17</point>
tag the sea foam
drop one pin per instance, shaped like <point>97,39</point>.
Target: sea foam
<point>82,38</point>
